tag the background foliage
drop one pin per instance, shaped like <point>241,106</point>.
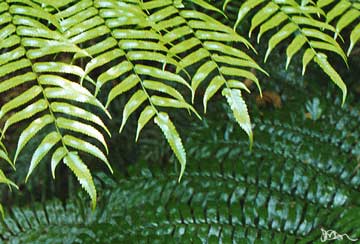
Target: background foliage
<point>74,74</point>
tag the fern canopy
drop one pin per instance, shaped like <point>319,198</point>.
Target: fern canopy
<point>65,65</point>
<point>62,58</point>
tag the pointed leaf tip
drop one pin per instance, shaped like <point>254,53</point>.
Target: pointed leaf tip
<point>173,138</point>
<point>44,147</point>
<point>57,156</point>
<point>74,162</point>
<point>239,108</point>
<point>182,170</point>
<point>268,51</point>
<point>251,140</point>
<point>144,118</point>
<point>134,102</point>
<point>321,60</point>
<point>209,6</point>
<point>2,211</point>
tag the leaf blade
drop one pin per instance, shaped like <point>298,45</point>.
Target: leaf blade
<point>74,162</point>
<point>173,138</point>
<point>241,114</point>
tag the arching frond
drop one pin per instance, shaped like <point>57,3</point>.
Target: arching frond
<point>304,24</point>
<point>49,91</point>
<point>341,15</point>
<point>206,48</point>
<point>142,64</point>
<point>5,180</point>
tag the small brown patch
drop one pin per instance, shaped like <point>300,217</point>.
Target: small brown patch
<point>249,82</point>
<point>269,98</point>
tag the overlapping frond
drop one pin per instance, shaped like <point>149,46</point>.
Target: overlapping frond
<point>146,45</point>
<point>209,52</point>
<point>142,64</point>
<point>304,24</point>
<point>48,91</point>
<point>59,57</point>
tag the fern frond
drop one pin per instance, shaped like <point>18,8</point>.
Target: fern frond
<point>342,14</point>
<point>49,92</point>
<point>143,63</point>
<point>212,57</point>
<point>304,25</point>
<point>4,156</point>
<point>5,180</point>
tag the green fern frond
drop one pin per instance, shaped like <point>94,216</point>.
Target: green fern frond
<point>342,14</point>
<point>142,63</point>
<point>5,180</point>
<point>4,156</point>
<point>215,59</point>
<point>305,26</point>
<point>49,93</point>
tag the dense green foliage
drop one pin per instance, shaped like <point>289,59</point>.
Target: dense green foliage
<point>70,70</point>
<point>299,179</point>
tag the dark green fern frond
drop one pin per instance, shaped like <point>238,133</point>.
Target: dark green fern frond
<point>287,192</point>
<point>306,27</point>
<point>217,202</point>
